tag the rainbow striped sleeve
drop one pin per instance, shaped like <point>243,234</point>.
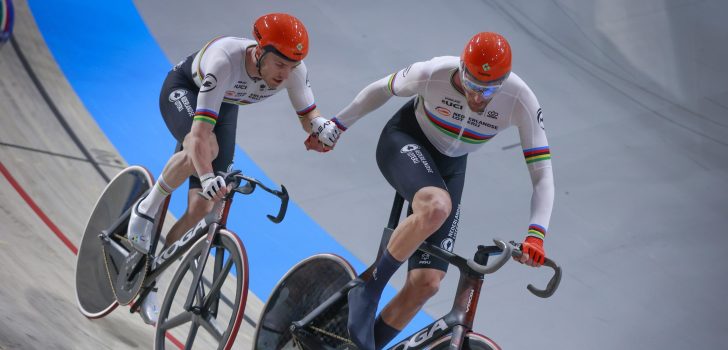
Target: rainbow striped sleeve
<point>390,84</point>
<point>537,154</point>
<point>536,231</point>
<point>306,110</point>
<point>206,115</point>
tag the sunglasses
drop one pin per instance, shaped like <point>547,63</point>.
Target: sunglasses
<point>486,89</point>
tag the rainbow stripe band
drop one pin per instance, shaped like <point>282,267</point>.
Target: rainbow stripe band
<point>390,84</point>
<point>161,189</point>
<point>453,130</point>
<point>206,115</point>
<point>306,110</point>
<point>537,154</point>
<point>338,124</point>
<point>537,231</point>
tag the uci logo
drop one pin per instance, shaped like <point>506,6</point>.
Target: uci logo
<point>409,148</point>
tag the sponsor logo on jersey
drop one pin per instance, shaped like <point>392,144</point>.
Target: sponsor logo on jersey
<point>452,103</point>
<point>492,114</point>
<point>480,123</point>
<point>409,148</point>
<point>209,83</point>
<point>406,70</point>
<point>458,116</point>
<point>241,85</point>
<point>539,118</point>
<point>444,111</point>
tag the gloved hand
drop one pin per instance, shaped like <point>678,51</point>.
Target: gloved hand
<point>533,252</point>
<point>213,187</point>
<point>326,131</point>
<point>313,143</point>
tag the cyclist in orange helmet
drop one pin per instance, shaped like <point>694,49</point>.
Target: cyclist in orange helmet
<point>459,104</point>
<point>199,102</point>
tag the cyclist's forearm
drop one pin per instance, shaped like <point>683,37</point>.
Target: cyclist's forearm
<point>542,201</point>
<point>200,146</point>
<point>307,118</point>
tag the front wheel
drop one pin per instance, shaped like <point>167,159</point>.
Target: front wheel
<point>472,341</point>
<point>300,291</point>
<point>218,301</point>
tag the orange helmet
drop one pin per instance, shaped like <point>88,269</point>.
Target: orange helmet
<point>283,34</point>
<point>487,56</point>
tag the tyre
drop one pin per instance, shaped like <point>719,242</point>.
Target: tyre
<point>473,341</point>
<point>94,294</point>
<point>219,302</point>
<point>300,291</point>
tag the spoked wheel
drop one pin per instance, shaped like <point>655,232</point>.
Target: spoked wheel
<point>473,341</point>
<point>300,291</point>
<point>213,319</point>
<point>94,293</point>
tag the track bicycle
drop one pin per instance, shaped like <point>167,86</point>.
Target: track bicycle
<point>308,308</point>
<point>209,288</point>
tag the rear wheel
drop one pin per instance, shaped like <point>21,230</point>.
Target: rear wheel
<point>94,293</point>
<point>473,341</point>
<point>300,291</point>
<point>213,320</point>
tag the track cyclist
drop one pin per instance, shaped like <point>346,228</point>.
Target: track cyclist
<point>199,102</point>
<point>459,104</point>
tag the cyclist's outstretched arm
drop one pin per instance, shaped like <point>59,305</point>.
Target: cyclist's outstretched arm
<point>537,153</point>
<point>404,83</point>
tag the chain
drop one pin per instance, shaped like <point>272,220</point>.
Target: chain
<point>113,287</point>
<point>333,335</point>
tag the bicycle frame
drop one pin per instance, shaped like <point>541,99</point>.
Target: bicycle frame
<point>209,225</point>
<point>459,321</point>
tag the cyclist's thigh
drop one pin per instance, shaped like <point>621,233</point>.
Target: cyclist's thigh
<point>445,236</point>
<point>224,130</point>
<point>403,156</point>
<point>177,101</point>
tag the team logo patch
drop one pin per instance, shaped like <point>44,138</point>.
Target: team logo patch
<point>409,148</point>
<point>444,111</point>
<point>209,83</point>
<point>177,94</point>
<point>539,118</point>
<point>447,244</point>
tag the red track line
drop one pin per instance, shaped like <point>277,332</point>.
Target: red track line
<point>37,210</point>
<point>55,228</point>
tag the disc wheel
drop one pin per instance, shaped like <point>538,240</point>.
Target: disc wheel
<point>94,294</point>
<point>300,291</point>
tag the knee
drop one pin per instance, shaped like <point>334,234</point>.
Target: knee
<point>433,205</point>
<point>424,285</point>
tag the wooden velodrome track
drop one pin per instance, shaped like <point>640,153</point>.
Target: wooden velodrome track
<point>55,161</point>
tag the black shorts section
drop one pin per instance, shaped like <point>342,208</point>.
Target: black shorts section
<point>177,103</point>
<point>410,162</point>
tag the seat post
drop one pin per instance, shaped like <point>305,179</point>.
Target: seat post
<point>394,216</point>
